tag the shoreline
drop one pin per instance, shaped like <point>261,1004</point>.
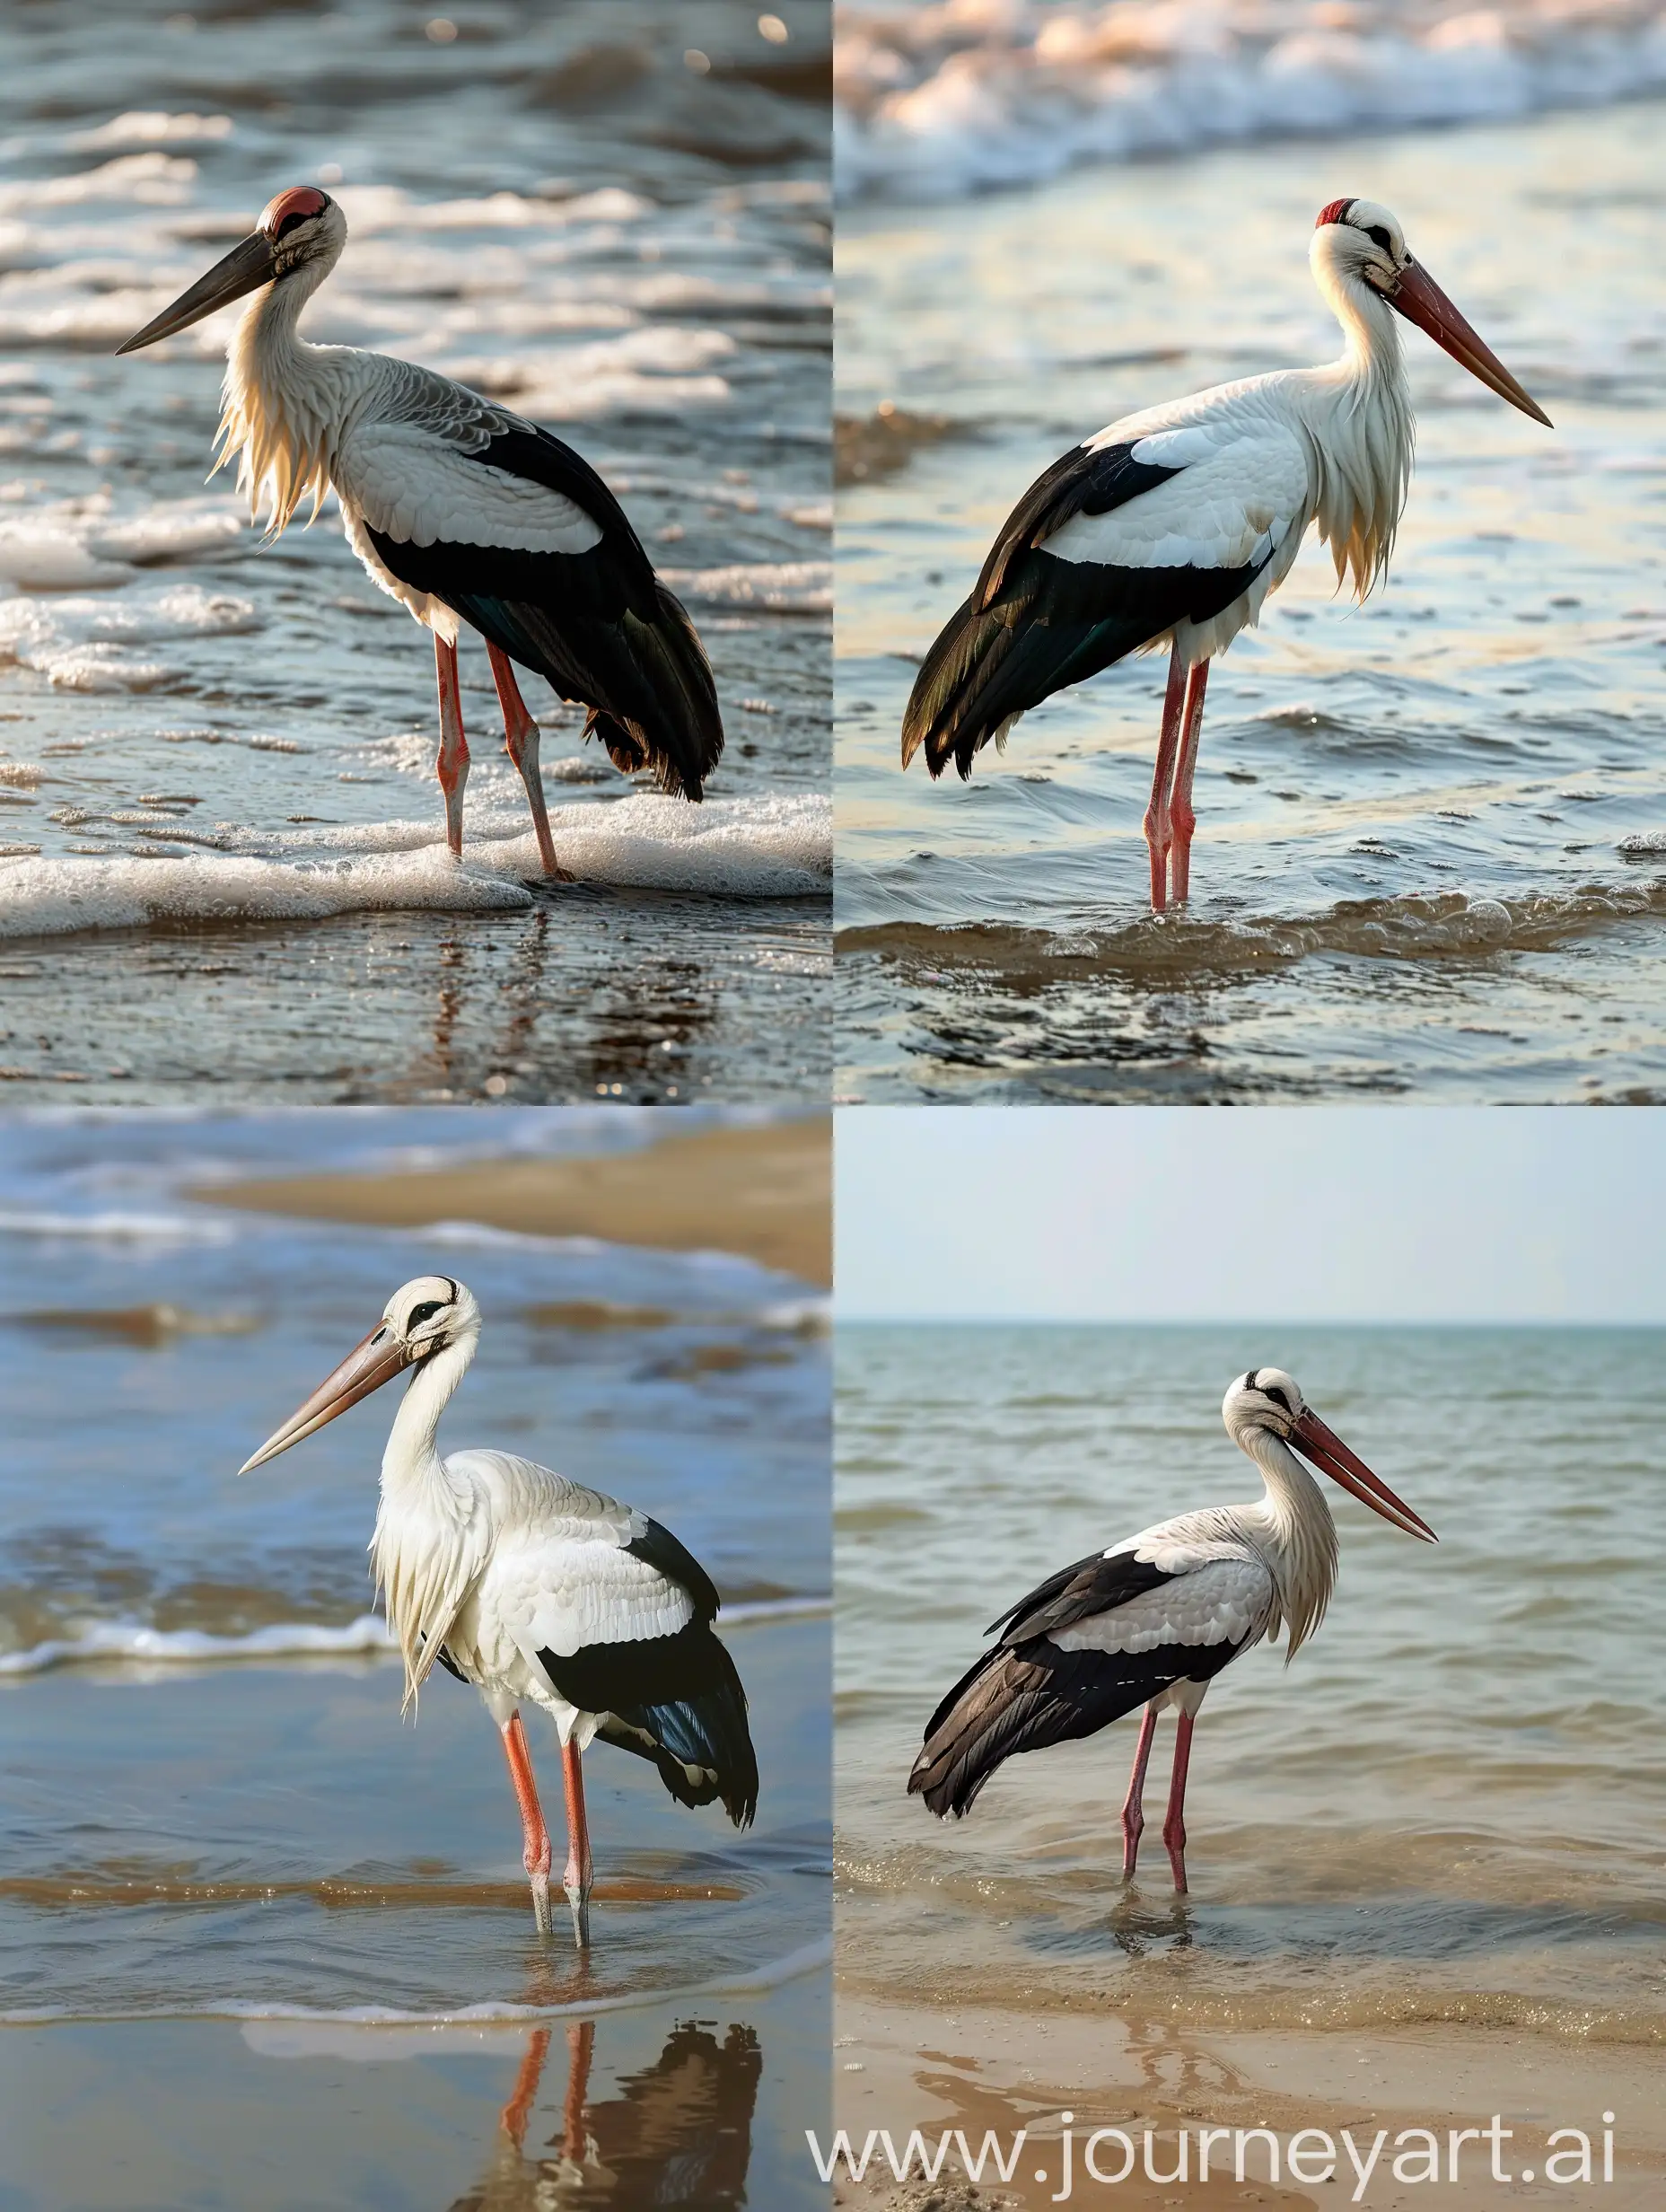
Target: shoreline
<point>901,2067</point>
<point>761,1190</point>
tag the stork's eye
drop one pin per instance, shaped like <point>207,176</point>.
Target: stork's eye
<point>1272,1390</point>
<point>290,221</point>
<point>1379,237</point>
<point>426,1311</point>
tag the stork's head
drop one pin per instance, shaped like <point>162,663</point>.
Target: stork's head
<point>1359,256</point>
<point>297,241</point>
<point>424,1318</point>
<point>1267,1402</point>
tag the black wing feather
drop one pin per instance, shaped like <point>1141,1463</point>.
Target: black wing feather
<point>684,1692</point>
<point>599,626</point>
<point>1034,623</point>
<point>1025,1692</point>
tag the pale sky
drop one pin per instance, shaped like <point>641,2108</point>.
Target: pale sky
<point>1397,1213</point>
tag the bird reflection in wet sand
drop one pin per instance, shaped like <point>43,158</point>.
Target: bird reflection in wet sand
<point>679,2133</point>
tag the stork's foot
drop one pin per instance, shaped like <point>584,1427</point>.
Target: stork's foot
<point>578,1899</point>
<point>538,1880</point>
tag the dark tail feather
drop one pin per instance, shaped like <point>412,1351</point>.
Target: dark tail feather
<point>706,1731</point>
<point>627,751</point>
<point>644,677</point>
<point>1015,1701</point>
<point>990,664</point>
<point>683,740</point>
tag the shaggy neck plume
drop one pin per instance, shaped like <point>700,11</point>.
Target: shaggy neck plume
<point>275,412</point>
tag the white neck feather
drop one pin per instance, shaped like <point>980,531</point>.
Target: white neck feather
<point>419,1550</point>
<point>279,410</point>
<point>1359,411</point>
<point>1297,1537</point>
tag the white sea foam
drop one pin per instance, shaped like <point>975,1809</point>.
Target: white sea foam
<point>104,1641</point>
<point>57,897</point>
<point>934,101</point>
<point>152,126</point>
<point>119,1228</point>
<point>777,847</point>
<point>87,645</point>
<point>784,587</point>
<point>368,2032</point>
<point>78,544</point>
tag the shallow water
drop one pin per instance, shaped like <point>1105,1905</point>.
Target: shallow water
<point>205,732</point>
<point>213,1807</point>
<point>1447,1809</point>
<point>1431,831</point>
<point>646,2106</point>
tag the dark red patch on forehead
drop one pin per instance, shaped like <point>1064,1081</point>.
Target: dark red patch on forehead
<point>1338,212</point>
<point>301,199</point>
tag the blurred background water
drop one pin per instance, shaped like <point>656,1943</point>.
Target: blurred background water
<point>212,1809</point>
<point>1431,831</point>
<point>1447,1810</point>
<point>613,217</point>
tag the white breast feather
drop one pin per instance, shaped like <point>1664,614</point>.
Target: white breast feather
<point>1219,1601</point>
<point>411,484</point>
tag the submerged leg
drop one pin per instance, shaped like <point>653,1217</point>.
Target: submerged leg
<point>1182,821</point>
<point>1159,834</point>
<point>536,1855</point>
<point>453,762</point>
<point>578,1871</point>
<point>1174,1827</point>
<point>520,743</point>
<point>1133,1808</point>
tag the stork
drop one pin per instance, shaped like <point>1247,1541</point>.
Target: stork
<point>1154,1618</point>
<point>1174,525</point>
<point>462,512</point>
<point>537,1591</point>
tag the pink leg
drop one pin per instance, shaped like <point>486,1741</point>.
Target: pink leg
<point>520,743</point>
<point>536,1855</point>
<point>580,2044</point>
<point>524,2096</point>
<point>1174,1827</point>
<point>1182,821</point>
<point>1159,834</point>
<point>1134,1810</point>
<point>578,1869</point>
<point>453,763</point>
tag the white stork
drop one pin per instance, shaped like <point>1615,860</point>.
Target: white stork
<point>533,1588</point>
<point>1174,524</point>
<point>461,510</point>
<point>1154,1619</point>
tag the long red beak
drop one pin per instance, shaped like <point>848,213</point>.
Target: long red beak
<point>1332,1457</point>
<point>372,1362</point>
<point>1420,299</point>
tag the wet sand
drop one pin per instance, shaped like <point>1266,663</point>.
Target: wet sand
<point>762,1191</point>
<point>900,2067</point>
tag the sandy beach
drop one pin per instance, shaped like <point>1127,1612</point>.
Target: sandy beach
<point>900,2067</point>
<point>765,1191</point>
